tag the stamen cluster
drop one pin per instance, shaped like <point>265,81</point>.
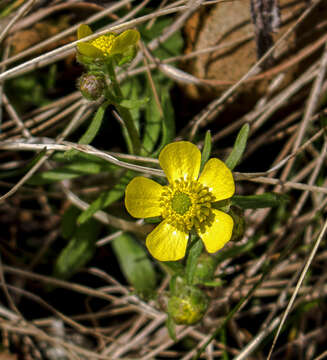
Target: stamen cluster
<point>194,207</point>
<point>104,43</point>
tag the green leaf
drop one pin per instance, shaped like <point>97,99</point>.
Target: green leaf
<point>131,104</point>
<point>91,131</point>
<point>239,147</point>
<point>153,118</point>
<point>70,171</point>
<point>106,198</point>
<point>217,283</point>
<point>133,90</point>
<point>173,46</point>
<point>206,151</point>
<point>94,126</point>
<point>171,327</point>
<point>78,251</point>
<point>135,264</point>
<point>192,260</point>
<point>68,222</point>
<point>51,176</point>
<point>259,201</point>
<point>168,124</point>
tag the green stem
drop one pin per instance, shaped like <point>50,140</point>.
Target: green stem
<point>133,137</point>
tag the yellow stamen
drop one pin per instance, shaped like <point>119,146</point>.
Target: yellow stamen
<point>186,204</point>
<point>104,43</point>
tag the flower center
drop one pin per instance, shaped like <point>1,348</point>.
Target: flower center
<point>187,203</point>
<point>180,202</point>
<point>104,43</point>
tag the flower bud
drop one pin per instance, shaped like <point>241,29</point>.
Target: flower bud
<point>91,85</point>
<point>205,269</point>
<point>189,306</point>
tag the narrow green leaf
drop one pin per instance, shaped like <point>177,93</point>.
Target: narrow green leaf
<point>239,147</point>
<point>217,283</point>
<point>135,264</point>
<point>106,198</point>
<point>70,171</point>
<point>51,176</point>
<point>192,260</point>
<point>131,104</point>
<point>206,151</point>
<point>259,201</point>
<point>171,327</point>
<point>133,90</point>
<point>94,125</point>
<point>68,222</point>
<point>153,120</point>
<point>78,251</point>
<point>168,124</point>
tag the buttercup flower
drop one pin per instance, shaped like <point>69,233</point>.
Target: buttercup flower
<point>185,203</point>
<point>106,45</point>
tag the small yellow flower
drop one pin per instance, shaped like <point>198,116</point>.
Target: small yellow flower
<point>184,203</point>
<point>106,45</point>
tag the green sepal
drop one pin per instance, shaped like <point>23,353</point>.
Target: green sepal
<point>223,205</point>
<point>153,220</point>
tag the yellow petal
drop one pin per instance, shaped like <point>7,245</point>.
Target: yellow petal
<point>218,233</point>
<point>166,243</point>
<point>180,160</point>
<point>142,198</point>
<point>89,50</point>
<point>83,31</point>
<point>218,178</point>
<point>124,41</point>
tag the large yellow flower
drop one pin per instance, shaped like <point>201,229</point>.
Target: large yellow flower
<point>185,203</point>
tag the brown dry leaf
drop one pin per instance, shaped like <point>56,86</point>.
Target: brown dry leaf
<point>41,31</point>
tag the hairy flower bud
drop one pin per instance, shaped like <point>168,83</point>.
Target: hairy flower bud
<point>91,86</point>
<point>188,306</point>
<point>205,269</point>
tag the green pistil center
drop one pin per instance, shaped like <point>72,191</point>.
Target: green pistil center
<point>180,203</point>
<point>186,204</point>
